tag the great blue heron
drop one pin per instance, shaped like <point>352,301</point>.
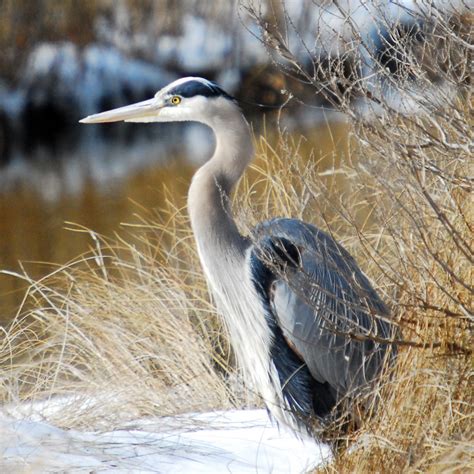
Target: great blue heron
<point>306,325</point>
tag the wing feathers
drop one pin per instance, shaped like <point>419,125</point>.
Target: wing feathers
<point>324,305</point>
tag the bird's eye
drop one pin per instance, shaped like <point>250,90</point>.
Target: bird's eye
<point>176,99</point>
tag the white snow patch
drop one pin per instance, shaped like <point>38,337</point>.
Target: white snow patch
<point>216,442</point>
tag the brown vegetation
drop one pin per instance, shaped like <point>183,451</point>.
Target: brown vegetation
<point>133,322</point>
<point>408,209</point>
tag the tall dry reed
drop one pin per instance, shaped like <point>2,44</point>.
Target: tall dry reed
<point>406,212</point>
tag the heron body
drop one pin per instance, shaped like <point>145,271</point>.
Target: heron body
<point>299,312</point>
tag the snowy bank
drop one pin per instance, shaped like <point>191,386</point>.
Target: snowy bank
<point>216,442</point>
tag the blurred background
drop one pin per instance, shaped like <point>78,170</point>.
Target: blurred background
<point>61,61</point>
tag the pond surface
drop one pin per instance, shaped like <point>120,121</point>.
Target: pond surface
<point>98,188</point>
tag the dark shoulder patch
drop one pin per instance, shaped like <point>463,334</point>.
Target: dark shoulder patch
<point>277,252</point>
<point>194,88</point>
<point>270,257</point>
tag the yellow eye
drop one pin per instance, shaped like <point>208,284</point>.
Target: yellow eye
<point>175,100</point>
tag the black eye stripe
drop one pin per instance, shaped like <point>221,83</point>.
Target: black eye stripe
<point>193,88</point>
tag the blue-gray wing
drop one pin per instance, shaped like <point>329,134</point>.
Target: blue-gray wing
<point>328,311</point>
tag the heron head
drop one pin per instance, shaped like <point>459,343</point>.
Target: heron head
<point>186,99</point>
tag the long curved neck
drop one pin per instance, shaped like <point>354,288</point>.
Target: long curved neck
<point>209,194</point>
<point>222,249</point>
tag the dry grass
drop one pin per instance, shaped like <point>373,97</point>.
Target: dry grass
<point>410,230</point>
<point>133,321</point>
<point>420,245</point>
<point>130,332</point>
<point>124,332</point>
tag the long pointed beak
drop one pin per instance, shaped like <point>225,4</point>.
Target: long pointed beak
<point>139,112</point>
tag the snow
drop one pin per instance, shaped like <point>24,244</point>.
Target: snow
<point>193,50</point>
<point>238,441</point>
<point>83,77</point>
